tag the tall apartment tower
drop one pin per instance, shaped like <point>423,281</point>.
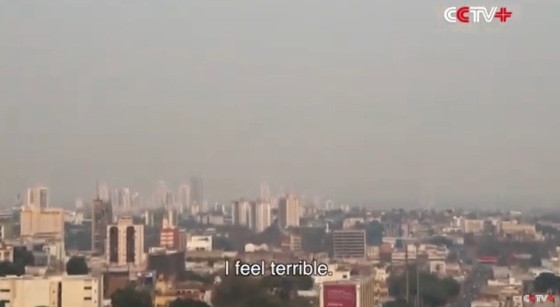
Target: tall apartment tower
<point>125,244</point>
<point>197,191</point>
<point>184,198</point>
<point>265,192</point>
<point>37,197</point>
<point>103,192</point>
<point>242,214</point>
<point>288,211</point>
<point>125,199</point>
<point>101,217</point>
<point>261,214</point>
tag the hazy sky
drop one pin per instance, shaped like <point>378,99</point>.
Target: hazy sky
<point>352,100</point>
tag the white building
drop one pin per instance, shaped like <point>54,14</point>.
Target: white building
<point>261,214</point>
<point>59,291</point>
<point>288,211</point>
<point>199,243</point>
<point>241,213</point>
<point>251,248</point>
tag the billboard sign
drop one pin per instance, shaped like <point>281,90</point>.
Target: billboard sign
<point>339,296</point>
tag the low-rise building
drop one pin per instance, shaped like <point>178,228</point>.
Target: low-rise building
<point>199,243</point>
<point>359,292</point>
<point>60,291</point>
<point>166,292</point>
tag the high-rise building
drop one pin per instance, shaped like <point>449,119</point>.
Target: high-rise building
<point>260,212</point>
<point>103,192</point>
<point>349,244</point>
<point>288,211</point>
<point>197,191</point>
<point>125,244</point>
<point>242,213</point>
<point>184,198</point>
<point>329,205</point>
<point>136,200</point>
<point>126,199</point>
<point>116,198</point>
<point>171,237</point>
<point>44,223</point>
<point>37,197</point>
<point>160,195</point>
<point>265,192</point>
<point>169,199</point>
<point>101,217</point>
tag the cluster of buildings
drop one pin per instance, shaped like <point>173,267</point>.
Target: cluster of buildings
<point>362,249</point>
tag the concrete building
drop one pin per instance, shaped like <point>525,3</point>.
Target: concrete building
<point>349,244</point>
<point>166,292</point>
<point>6,252</point>
<point>37,197</point>
<point>125,200</point>
<point>166,263</point>
<point>288,211</point>
<point>197,191</point>
<point>261,213</point>
<point>125,244</point>
<point>7,225</point>
<point>357,292</point>
<point>475,226</point>
<point>351,222</point>
<point>59,291</point>
<point>44,223</point>
<point>254,215</point>
<point>101,217</point>
<point>242,213</point>
<point>199,243</point>
<point>184,198</point>
<point>171,237</point>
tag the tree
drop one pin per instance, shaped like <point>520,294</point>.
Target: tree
<point>452,257</point>
<point>433,290</point>
<point>269,291</point>
<point>441,241</point>
<point>451,286</point>
<point>235,290</point>
<point>535,260</point>
<point>503,260</point>
<point>8,268</point>
<point>545,282</point>
<point>77,266</point>
<point>304,282</point>
<point>181,302</point>
<point>23,257</point>
<point>130,297</point>
<point>469,239</point>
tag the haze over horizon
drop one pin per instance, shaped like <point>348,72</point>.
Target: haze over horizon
<point>357,101</point>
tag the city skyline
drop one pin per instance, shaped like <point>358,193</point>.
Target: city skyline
<point>340,99</point>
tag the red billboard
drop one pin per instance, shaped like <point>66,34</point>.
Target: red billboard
<point>339,296</point>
